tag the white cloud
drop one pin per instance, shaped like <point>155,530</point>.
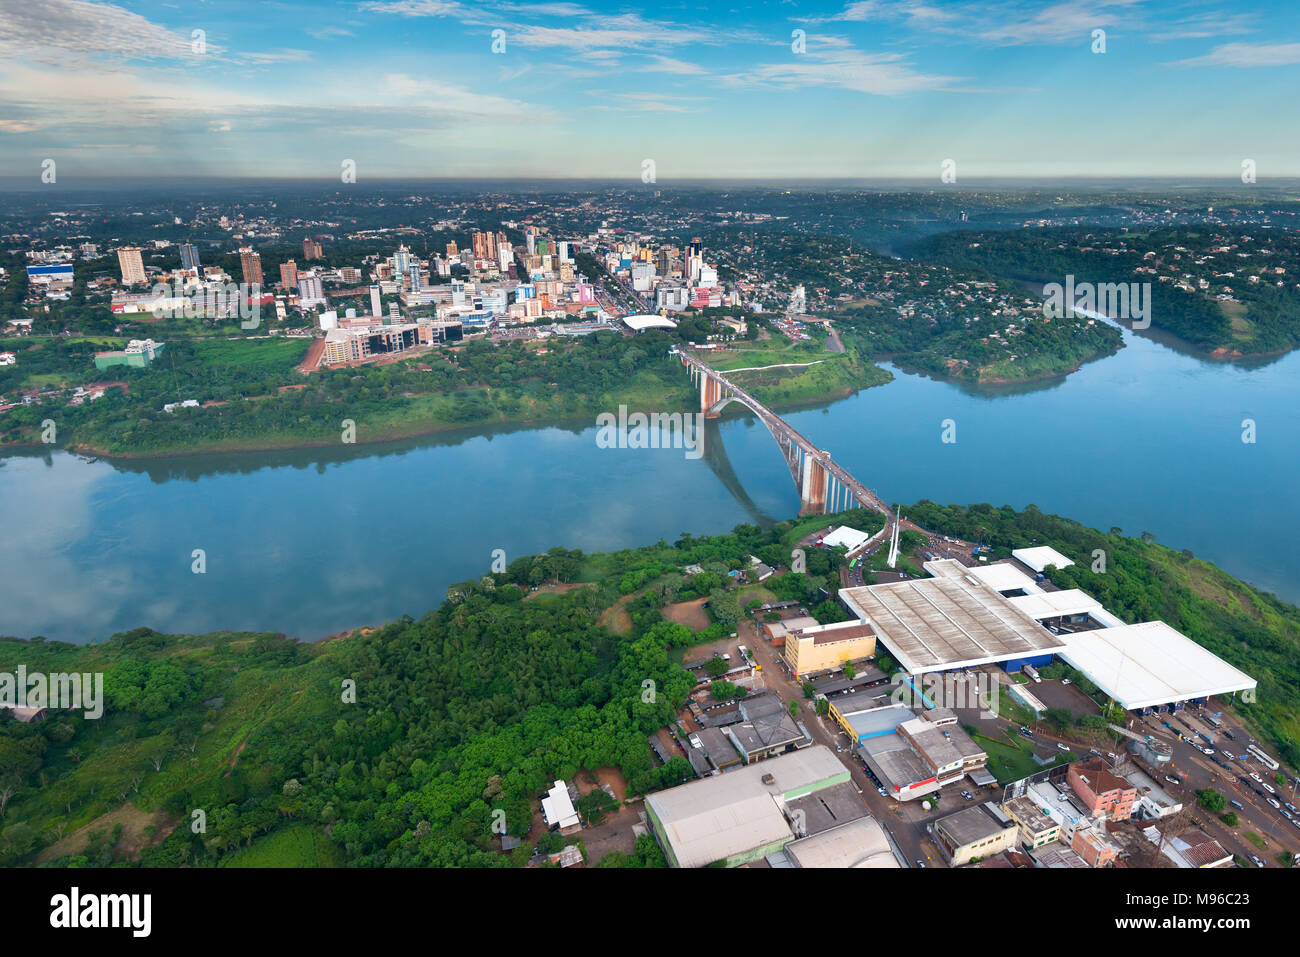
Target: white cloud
<point>1247,55</point>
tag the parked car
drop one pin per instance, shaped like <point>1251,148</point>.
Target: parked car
<point>1256,861</point>
<point>1172,780</point>
<point>1273,801</point>
<point>1255,777</point>
<point>1064,681</point>
<point>1062,747</point>
<point>921,864</point>
<point>883,792</point>
<point>1207,750</point>
<point>967,795</point>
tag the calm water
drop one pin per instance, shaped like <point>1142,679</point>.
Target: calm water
<point>310,543</point>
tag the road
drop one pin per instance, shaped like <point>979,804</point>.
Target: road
<point>902,820</point>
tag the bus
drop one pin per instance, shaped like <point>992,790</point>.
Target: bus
<point>1211,719</point>
<point>1263,758</point>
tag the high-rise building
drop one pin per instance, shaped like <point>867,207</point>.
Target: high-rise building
<point>530,239</point>
<point>504,255</point>
<point>481,245</point>
<point>401,262</point>
<point>414,273</point>
<point>452,250</point>
<point>189,256</point>
<point>309,290</point>
<point>375,309</point>
<point>250,261</point>
<point>310,249</point>
<point>128,258</point>
<point>289,274</point>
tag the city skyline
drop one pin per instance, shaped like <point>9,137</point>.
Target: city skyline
<point>868,90</point>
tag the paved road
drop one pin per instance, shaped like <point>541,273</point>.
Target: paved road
<point>907,829</point>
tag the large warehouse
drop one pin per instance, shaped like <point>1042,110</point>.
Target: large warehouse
<point>739,816</point>
<point>1150,664</point>
<point>954,620</point>
<point>996,614</point>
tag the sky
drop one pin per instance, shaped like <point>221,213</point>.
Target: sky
<point>775,90</point>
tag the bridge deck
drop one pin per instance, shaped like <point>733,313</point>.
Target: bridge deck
<point>777,425</point>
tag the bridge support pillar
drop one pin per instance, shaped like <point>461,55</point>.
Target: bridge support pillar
<point>710,395</point>
<point>812,487</point>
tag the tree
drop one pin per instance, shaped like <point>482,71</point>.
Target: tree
<point>794,708</point>
<point>715,667</point>
<point>1211,800</point>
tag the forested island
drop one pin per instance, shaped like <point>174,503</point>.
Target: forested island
<point>396,746</point>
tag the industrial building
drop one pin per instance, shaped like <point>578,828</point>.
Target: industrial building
<point>827,647</point>
<point>996,614</point>
<point>914,756</point>
<point>859,843</point>
<point>740,816</point>
<point>1150,664</point>
<point>952,621</point>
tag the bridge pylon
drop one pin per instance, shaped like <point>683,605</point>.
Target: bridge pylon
<point>812,487</point>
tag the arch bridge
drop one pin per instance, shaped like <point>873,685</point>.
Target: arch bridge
<point>823,485</point>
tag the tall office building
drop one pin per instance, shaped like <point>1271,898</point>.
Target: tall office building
<point>414,273</point>
<point>189,256</point>
<point>504,255</point>
<point>375,309</point>
<point>310,249</point>
<point>289,274</point>
<point>401,262</point>
<point>482,249</point>
<point>530,239</point>
<point>250,261</point>
<point>128,258</point>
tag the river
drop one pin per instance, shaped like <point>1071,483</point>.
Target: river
<point>317,541</point>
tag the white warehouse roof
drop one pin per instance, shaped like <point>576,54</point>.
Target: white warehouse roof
<point>850,538</point>
<point>1150,664</point>
<point>1054,604</point>
<point>1040,557</point>
<point>637,323</point>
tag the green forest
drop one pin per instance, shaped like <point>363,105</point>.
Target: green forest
<point>1264,316</point>
<point>473,708</point>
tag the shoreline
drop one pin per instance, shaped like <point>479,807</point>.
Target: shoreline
<point>392,435</point>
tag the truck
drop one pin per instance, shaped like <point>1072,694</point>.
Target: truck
<point>1032,672</point>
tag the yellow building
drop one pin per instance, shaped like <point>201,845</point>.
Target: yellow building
<point>823,647</point>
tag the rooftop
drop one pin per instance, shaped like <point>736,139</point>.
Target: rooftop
<point>1040,557</point>
<point>718,817</point>
<point>1150,664</point>
<point>945,622</point>
<point>859,843</point>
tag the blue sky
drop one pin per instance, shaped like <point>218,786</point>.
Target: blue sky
<point>881,88</point>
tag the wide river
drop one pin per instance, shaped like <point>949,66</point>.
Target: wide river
<point>314,542</point>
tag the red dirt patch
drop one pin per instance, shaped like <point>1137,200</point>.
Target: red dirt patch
<point>689,613</point>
